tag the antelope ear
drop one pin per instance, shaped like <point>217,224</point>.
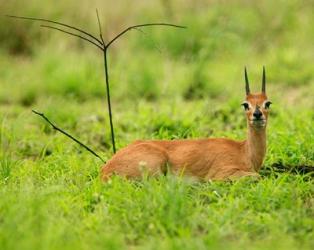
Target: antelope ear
<point>264,81</point>
<point>247,84</point>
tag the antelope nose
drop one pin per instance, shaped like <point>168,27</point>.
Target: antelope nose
<point>257,114</point>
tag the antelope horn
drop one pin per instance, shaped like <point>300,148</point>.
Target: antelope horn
<point>264,81</point>
<point>247,85</point>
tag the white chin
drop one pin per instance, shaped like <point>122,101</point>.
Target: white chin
<point>258,124</point>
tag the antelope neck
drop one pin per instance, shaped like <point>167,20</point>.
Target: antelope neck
<point>256,147</point>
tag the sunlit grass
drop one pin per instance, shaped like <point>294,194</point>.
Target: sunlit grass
<point>190,87</point>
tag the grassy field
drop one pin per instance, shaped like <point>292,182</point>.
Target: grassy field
<point>165,84</point>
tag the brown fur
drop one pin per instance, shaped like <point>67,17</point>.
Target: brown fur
<point>207,159</point>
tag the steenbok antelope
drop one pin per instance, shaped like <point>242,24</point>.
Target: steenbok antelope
<point>207,159</point>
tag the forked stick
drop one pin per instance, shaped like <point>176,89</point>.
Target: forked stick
<point>68,135</point>
<point>99,43</point>
<point>106,46</point>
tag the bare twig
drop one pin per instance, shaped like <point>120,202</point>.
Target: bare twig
<point>68,135</point>
<point>108,100</point>
<point>142,25</point>
<point>106,67</point>
<point>104,47</point>
<point>100,29</point>
<point>70,33</point>
<point>59,23</point>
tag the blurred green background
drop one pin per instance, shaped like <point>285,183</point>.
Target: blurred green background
<point>206,60</point>
<point>165,84</point>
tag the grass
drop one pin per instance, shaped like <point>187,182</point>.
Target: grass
<point>51,195</point>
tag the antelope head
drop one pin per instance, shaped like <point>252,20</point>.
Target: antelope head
<point>256,105</point>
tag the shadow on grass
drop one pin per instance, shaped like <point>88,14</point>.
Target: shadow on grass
<point>280,168</point>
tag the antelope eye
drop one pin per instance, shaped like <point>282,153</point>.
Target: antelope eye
<point>267,104</point>
<point>246,106</point>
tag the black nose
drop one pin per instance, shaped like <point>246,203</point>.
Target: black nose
<point>257,114</point>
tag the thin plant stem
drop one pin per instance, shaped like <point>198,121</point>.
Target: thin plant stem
<point>108,101</point>
<point>58,23</point>
<point>100,29</point>
<point>70,33</point>
<point>141,25</point>
<point>68,135</point>
<point>104,47</point>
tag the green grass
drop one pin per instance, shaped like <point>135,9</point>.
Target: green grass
<point>192,87</point>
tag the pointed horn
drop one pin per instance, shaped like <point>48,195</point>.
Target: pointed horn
<point>264,81</point>
<point>247,85</point>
